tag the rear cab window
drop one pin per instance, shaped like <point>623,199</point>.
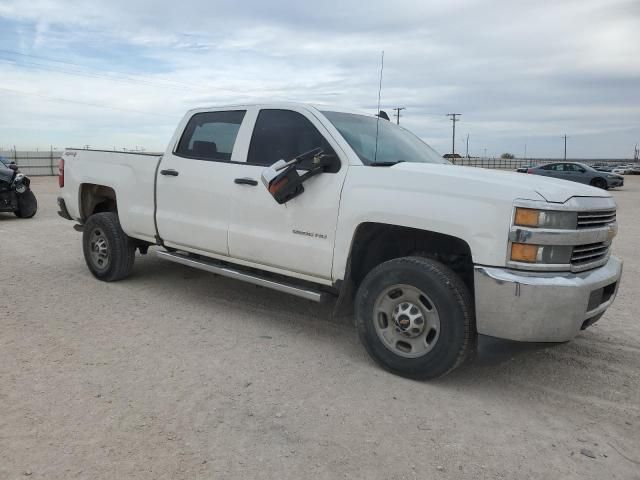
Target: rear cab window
<point>210,135</point>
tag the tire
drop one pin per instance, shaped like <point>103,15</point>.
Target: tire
<point>430,354</point>
<point>599,183</point>
<point>108,251</point>
<point>27,205</point>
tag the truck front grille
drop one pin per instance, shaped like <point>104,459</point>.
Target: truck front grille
<point>596,219</point>
<point>587,256</point>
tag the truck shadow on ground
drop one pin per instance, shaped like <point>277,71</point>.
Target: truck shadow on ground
<point>578,366</point>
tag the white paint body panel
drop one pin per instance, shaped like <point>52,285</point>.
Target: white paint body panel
<point>130,175</point>
<point>205,212</point>
<point>266,233</point>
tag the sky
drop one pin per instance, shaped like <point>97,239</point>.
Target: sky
<point>121,74</point>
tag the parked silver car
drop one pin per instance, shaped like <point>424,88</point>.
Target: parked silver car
<point>579,172</point>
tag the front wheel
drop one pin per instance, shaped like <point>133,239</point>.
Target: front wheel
<point>599,183</point>
<point>108,251</point>
<point>27,205</point>
<point>415,317</point>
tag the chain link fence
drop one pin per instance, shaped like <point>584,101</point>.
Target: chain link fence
<point>515,163</point>
<point>34,163</point>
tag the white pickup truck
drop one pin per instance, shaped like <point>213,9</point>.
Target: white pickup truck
<point>321,202</point>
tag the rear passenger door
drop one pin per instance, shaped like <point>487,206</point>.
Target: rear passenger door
<point>568,172</point>
<point>555,170</point>
<point>299,235</point>
<point>194,183</point>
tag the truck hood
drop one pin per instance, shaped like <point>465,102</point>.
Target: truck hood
<point>551,189</point>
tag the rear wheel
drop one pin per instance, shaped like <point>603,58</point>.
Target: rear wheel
<point>108,251</point>
<point>414,317</point>
<point>27,205</point>
<point>599,183</point>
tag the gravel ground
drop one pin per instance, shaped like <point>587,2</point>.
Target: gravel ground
<point>175,373</point>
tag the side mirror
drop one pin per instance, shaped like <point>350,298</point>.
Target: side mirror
<point>282,181</point>
<point>13,166</point>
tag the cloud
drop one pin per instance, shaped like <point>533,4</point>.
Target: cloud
<point>518,71</point>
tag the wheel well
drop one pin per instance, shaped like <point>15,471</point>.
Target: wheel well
<point>375,243</point>
<point>95,199</point>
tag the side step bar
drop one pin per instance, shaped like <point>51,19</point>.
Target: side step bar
<point>230,272</point>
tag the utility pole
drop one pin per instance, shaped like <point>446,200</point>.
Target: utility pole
<point>636,153</point>
<point>525,151</point>
<point>565,148</point>
<point>397,109</point>
<point>467,146</point>
<point>454,119</point>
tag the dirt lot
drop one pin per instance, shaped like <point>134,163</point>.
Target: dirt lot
<point>175,373</point>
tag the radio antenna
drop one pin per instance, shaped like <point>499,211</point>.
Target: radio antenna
<point>375,154</point>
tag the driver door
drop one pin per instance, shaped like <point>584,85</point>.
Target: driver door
<point>297,236</point>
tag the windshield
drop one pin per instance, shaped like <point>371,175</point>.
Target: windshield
<point>395,144</point>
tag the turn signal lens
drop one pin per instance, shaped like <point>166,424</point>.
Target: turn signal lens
<point>522,252</point>
<point>527,217</point>
<point>275,187</point>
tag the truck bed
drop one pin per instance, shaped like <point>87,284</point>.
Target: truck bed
<point>130,175</point>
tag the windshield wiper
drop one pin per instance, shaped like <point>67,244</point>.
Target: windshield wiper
<point>385,164</point>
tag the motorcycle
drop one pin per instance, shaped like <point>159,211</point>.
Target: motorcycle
<point>15,194</point>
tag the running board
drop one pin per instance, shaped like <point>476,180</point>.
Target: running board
<point>230,272</point>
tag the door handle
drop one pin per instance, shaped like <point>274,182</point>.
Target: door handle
<point>171,172</point>
<point>246,181</point>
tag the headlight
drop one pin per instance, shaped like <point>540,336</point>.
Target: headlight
<point>545,254</point>
<point>529,217</point>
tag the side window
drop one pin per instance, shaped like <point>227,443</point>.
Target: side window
<point>210,135</point>
<point>283,134</point>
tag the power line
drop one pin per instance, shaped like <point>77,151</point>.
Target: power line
<point>78,102</point>
<point>375,154</point>
<point>128,75</point>
<point>454,119</point>
<point>397,114</point>
<point>50,68</point>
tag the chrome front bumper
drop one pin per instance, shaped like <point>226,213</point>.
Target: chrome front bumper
<point>542,307</point>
